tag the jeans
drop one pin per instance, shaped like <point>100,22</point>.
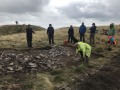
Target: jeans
<point>29,41</point>
<point>70,38</point>
<point>82,37</point>
<point>92,38</point>
<point>51,39</point>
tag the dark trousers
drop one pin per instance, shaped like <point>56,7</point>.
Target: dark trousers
<point>51,39</point>
<point>92,38</point>
<point>85,59</point>
<point>70,38</point>
<point>82,37</point>
<point>29,41</point>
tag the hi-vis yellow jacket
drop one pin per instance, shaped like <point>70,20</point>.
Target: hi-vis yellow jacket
<point>85,48</point>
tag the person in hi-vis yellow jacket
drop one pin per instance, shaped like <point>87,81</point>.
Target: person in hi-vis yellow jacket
<point>84,49</point>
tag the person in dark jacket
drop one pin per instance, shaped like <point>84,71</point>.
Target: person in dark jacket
<point>50,32</point>
<point>70,34</point>
<point>82,31</point>
<point>29,32</point>
<point>92,34</point>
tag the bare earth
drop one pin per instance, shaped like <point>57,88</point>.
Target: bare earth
<point>17,63</point>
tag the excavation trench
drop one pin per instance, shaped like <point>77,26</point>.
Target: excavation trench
<point>36,59</point>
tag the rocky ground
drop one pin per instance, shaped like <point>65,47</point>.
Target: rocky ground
<point>103,73</point>
<point>36,60</point>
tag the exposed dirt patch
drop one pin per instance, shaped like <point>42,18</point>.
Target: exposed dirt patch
<point>108,78</point>
<point>19,63</point>
<point>36,59</point>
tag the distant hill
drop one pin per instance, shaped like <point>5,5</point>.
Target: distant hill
<point>117,27</point>
<point>13,29</point>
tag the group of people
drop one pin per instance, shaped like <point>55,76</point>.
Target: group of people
<point>81,47</point>
<point>29,32</point>
<point>85,49</point>
<point>82,31</point>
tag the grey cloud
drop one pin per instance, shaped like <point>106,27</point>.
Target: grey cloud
<point>96,10</point>
<point>22,6</point>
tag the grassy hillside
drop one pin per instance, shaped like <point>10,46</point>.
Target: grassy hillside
<point>12,29</point>
<point>70,76</point>
<point>40,38</point>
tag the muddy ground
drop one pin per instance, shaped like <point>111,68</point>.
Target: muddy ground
<point>18,62</point>
<point>36,59</point>
<point>107,78</point>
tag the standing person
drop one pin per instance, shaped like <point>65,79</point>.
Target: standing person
<point>50,32</point>
<point>29,32</point>
<point>111,35</point>
<point>85,50</point>
<point>70,34</point>
<point>92,34</point>
<point>82,31</point>
<point>16,22</point>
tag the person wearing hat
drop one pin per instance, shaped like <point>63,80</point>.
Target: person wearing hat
<point>111,31</point>
<point>92,34</point>
<point>29,32</point>
<point>84,49</point>
<point>50,32</point>
<point>111,35</point>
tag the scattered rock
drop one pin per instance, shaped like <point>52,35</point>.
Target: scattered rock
<point>38,57</point>
<point>26,59</point>
<point>0,67</point>
<point>33,65</point>
<point>56,57</point>
<point>19,68</point>
<point>10,68</point>
<point>11,64</point>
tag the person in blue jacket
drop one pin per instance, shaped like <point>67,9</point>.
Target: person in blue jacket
<point>82,31</point>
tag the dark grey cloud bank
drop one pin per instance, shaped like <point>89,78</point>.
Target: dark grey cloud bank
<point>25,11</point>
<point>40,12</point>
<point>100,10</point>
<point>22,6</point>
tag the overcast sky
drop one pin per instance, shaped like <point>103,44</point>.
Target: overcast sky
<point>60,13</point>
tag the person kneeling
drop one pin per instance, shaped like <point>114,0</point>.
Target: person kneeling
<point>85,50</point>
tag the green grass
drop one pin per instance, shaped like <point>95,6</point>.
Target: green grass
<point>56,72</point>
<point>28,86</point>
<point>81,68</point>
<point>13,38</point>
<point>59,79</point>
<point>56,77</point>
<point>13,29</point>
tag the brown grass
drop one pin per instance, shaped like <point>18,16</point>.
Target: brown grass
<point>45,81</point>
<point>40,39</point>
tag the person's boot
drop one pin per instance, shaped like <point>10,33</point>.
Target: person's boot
<point>86,61</point>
